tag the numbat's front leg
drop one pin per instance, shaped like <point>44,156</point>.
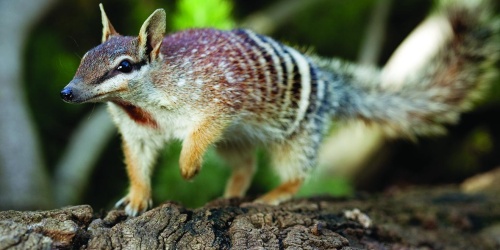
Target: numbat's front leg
<point>139,158</point>
<point>195,145</point>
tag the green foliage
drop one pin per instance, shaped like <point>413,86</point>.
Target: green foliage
<point>203,13</point>
<point>475,146</point>
<point>207,185</point>
<point>319,28</point>
<point>326,184</point>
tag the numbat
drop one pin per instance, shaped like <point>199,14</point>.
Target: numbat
<point>239,90</point>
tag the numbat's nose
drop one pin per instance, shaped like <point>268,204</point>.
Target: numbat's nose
<point>67,94</point>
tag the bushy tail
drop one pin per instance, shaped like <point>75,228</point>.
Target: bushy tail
<point>432,77</point>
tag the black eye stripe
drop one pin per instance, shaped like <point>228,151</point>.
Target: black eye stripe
<point>113,72</point>
<point>133,66</point>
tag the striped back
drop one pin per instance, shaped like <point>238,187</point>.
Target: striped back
<point>288,84</point>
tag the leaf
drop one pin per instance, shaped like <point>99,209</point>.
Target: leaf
<point>203,13</point>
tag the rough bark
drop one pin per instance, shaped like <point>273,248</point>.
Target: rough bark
<point>437,218</point>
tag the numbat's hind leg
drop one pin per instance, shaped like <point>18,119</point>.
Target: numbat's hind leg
<point>292,159</point>
<point>282,193</point>
<point>242,163</point>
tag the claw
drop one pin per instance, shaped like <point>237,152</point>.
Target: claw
<point>131,212</point>
<point>134,210</point>
<point>122,202</point>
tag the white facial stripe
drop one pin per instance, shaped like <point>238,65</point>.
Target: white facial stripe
<point>120,82</point>
<point>119,59</point>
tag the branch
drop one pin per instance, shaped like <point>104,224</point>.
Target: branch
<point>375,34</point>
<point>439,218</point>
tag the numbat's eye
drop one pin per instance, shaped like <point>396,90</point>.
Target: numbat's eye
<point>125,66</point>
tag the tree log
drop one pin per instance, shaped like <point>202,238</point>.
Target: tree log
<point>415,218</point>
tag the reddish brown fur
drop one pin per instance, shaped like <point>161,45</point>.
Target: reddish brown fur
<point>137,114</point>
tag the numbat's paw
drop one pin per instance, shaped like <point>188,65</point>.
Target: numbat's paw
<point>190,169</point>
<point>280,194</point>
<point>135,206</point>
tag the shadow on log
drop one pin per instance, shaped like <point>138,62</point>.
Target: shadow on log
<point>417,218</point>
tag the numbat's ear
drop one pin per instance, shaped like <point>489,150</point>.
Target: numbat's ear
<point>151,35</point>
<point>107,28</point>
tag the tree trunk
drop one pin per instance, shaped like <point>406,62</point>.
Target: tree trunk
<point>22,171</point>
<point>438,218</point>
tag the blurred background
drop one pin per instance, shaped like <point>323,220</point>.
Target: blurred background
<point>54,154</point>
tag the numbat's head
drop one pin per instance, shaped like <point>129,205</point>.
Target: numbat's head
<point>108,71</point>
